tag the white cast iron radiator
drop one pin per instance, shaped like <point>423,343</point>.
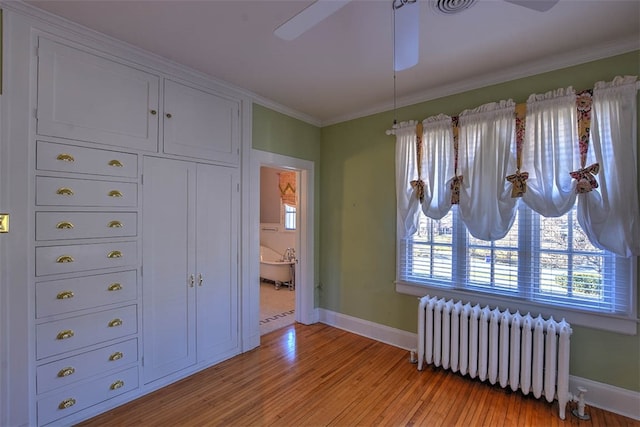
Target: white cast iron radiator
<point>522,352</point>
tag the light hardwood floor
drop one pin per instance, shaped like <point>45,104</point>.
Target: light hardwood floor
<point>318,375</point>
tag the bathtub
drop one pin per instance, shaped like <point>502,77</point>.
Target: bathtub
<point>274,269</point>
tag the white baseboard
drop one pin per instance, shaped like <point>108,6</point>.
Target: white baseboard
<point>600,395</point>
<point>608,397</point>
<point>376,331</point>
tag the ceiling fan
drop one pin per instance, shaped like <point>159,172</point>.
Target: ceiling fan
<point>406,22</point>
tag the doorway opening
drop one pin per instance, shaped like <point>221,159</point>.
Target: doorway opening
<point>304,293</point>
<point>279,246</point>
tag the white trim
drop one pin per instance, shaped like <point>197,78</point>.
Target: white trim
<point>600,395</point>
<point>305,285</point>
<point>286,110</point>
<point>610,398</point>
<point>118,48</point>
<point>4,333</point>
<point>250,331</point>
<point>627,326</point>
<point>551,63</point>
<point>386,334</point>
<point>137,55</point>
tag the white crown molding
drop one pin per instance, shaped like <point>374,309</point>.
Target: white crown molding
<point>137,55</point>
<point>118,47</point>
<point>280,108</point>
<point>552,63</point>
<point>591,53</point>
<point>600,395</point>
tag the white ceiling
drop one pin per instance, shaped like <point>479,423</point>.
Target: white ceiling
<point>342,68</point>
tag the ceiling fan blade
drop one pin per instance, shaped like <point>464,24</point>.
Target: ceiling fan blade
<point>407,36</point>
<point>309,17</point>
<point>539,5</point>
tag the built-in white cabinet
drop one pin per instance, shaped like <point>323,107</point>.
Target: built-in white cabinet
<point>89,97</point>
<point>123,186</point>
<point>201,124</point>
<point>190,250</point>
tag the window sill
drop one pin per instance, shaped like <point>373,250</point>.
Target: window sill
<point>622,325</point>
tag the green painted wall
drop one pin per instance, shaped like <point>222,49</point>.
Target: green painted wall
<point>357,218</point>
<point>355,250</point>
<point>278,133</point>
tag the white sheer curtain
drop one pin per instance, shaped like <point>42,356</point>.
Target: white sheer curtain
<point>486,155</point>
<point>609,214</point>
<point>550,152</point>
<point>561,165</point>
<point>437,166</point>
<point>408,203</point>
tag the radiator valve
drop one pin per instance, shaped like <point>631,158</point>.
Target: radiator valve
<point>579,411</point>
<point>412,357</point>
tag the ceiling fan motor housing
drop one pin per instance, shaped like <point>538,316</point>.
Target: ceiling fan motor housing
<point>452,6</point>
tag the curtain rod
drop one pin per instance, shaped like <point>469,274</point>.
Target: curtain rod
<point>520,106</point>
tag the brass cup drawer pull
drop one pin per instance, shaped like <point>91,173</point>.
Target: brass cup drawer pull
<point>63,259</point>
<point>64,335</point>
<point>115,193</point>
<point>64,157</point>
<point>115,323</point>
<point>114,254</point>
<point>116,356</point>
<point>64,225</point>
<point>64,191</point>
<point>67,403</point>
<point>115,224</point>
<point>115,163</point>
<point>114,287</point>
<point>65,295</point>
<point>65,372</point>
<point>116,385</point>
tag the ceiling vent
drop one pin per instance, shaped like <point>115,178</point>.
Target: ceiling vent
<point>450,7</point>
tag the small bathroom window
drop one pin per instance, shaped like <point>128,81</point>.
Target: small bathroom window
<point>289,217</point>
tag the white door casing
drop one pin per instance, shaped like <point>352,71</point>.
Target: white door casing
<point>306,312</point>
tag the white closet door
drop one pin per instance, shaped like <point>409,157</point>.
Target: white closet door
<point>217,260</point>
<point>92,98</point>
<point>168,229</point>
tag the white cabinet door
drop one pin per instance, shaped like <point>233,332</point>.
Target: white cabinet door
<point>200,124</point>
<point>168,230</point>
<point>88,97</point>
<point>217,261</point>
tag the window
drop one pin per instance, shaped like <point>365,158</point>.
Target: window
<point>289,217</point>
<point>528,207</point>
<point>545,260</point>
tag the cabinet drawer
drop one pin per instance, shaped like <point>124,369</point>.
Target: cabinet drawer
<point>76,332</point>
<point>84,225</point>
<point>65,296</point>
<point>77,368</point>
<point>69,158</point>
<point>73,258</point>
<point>81,396</point>
<point>85,192</point>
